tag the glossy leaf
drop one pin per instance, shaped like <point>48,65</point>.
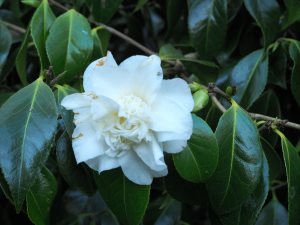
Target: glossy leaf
<point>292,13</point>
<point>40,197</point>
<point>274,160</point>
<point>174,10</point>
<point>240,161</point>
<point>21,59</point>
<point>266,14</point>
<point>67,115</point>
<point>171,214</point>
<point>41,22</point>
<point>292,165</point>
<point>268,104</point>
<point>249,77</point>
<point>27,125</point>
<point>277,68</point>
<point>207,23</point>
<point>273,214</point>
<point>295,79</point>
<point>127,200</point>
<point>103,11</point>
<point>69,45</point>
<point>197,162</point>
<point>97,48</point>
<point>77,176</point>
<point>5,43</point>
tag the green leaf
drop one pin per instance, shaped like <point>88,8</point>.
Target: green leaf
<point>5,43</point>
<point>292,13</point>
<point>1,2</point>
<point>274,212</point>
<point>33,3</point>
<point>41,22</point>
<point>268,104</point>
<point>266,14</point>
<point>207,23</point>
<point>240,161</point>
<point>104,10</point>
<point>127,200</point>
<point>69,45</point>
<point>274,160</point>
<point>77,176</point>
<point>97,48</point>
<point>212,117</point>
<point>249,77</point>
<point>4,96</point>
<point>21,59</point>
<point>294,51</point>
<point>171,214</point>
<point>197,162</point>
<point>40,197</point>
<point>140,5</point>
<point>277,68</point>
<point>174,10</point>
<point>248,212</point>
<point>5,188</point>
<point>27,126</point>
<point>292,165</point>
<point>67,115</point>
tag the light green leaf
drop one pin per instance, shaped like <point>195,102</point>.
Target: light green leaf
<point>292,165</point>
<point>240,161</point>
<point>292,13</point>
<point>97,48</point>
<point>27,125</point>
<point>249,77</point>
<point>41,22</point>
<point>197,162</point>
<point>104,10</point>
<point>127,200</point>
<point>40,197</point>
<point>207,23</point>
<point>33,3</point>
<point>294,51</point>
<point>5,43</point>
<point>77,176</point>
<point>21,59</point>
<point>266,14</point>
<point>67,115</point>
<point>69,45</point>
<point>273,214</point>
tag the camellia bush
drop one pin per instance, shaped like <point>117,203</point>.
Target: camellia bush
<point>144,112</point>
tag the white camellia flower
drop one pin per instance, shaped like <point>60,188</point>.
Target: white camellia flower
<point>128,115</point>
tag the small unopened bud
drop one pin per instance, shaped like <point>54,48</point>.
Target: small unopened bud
<point>195,87</point>
<point>230,91</point>
<point>200,99</point>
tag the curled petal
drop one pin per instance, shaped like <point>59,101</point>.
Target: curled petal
<point>75,101</point>
<point>174,146</point>
<point>102,163</point>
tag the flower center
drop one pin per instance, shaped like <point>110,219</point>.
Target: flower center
<point>130,125</point>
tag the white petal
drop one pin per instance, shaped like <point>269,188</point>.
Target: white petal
<point>101,106</point>
<point>85,143</point>
<point>174,146</point>
<point>146,73</point>
<point>171,111</point>
<point>152,155</point>
<point>134,169</point>
<point>102,163</point>
<point>76,100</point>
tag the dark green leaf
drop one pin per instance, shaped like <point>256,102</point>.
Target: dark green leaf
<point>266,14</point>
<point>295,79</point>
<point>40,24</point>
<point>27,125</point>
<point>197,162</point>
<point>69,44</point>
<point>21,59</point>
<point>1,2</point>
<point>4,96</point>
<point>5,43</point>
<point>207,23</point>
<point>292,165</point>
<point>40,196</point>
<point>5,188</point>
<point>240,161</point>
<point>277,69</point>
<point>171,214</point>
<point>292,13</point>
<point>103,11</point>
<point>174,10</point>
<point>77,176</point>
<point>249,77</point>
<point>97,49</point>
<point>140,4</point>
<point>274,160</point>
<point>67,115</point>
<point>127,200</point>
<point>213,116</point>
<point>268,104</point>
<point>273,214</point>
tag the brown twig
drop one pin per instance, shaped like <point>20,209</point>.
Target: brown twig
<point>14,27</point>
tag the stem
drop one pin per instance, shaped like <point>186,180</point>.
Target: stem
<point>14,27</point>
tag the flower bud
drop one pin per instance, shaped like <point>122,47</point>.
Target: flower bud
<point>200,99</point>
<point>195,87</point>
<point>230,91</point>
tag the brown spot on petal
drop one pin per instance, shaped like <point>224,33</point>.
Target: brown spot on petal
<point>100,62</point>
<point>93,95</point>
<point>80,135</point>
